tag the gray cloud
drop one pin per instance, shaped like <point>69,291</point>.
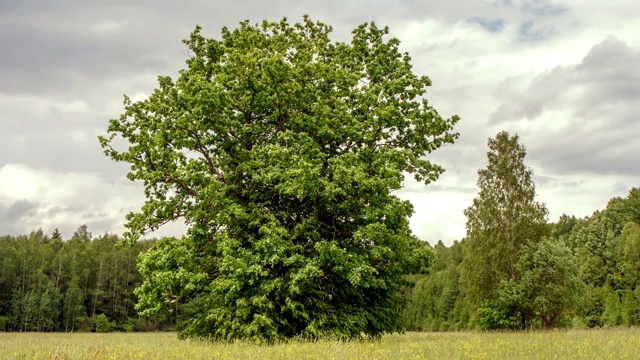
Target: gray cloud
<point>18,210</point>
<point>532,31</point>
<point>8,227</point>
<point>61,152</point>
<point>14,217</point>
<point>535,7</point>
<point>543,8</point>
<point>491,25</point>
<point>66,65</point>
<point>600,132</point>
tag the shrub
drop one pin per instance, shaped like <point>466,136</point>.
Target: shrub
<point>102,324</point>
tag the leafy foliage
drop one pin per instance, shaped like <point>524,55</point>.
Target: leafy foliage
<point>281,150</point>
<point>548,289</point>
<point>435,303</point>
<point>102,324</point>
<point>503,219</point>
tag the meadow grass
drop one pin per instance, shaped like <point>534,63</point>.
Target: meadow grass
<point>622,343</point>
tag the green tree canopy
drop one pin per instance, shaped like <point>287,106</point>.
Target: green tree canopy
<point>549,289</point>
<point>281,150</point>
<point>503,218</point>
<point>629,253</point>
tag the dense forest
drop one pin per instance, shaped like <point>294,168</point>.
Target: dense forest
<point>82,283</point>
<point>599,253</point>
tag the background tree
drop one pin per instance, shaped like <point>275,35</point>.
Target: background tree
<point>435,302</point>
<point>48,284</point>
<point>503,218</point>
<point>281,150</point>
<point>604,243</point>
<point>629,254</point>
<point>73,306</point>
<point>548,290</point>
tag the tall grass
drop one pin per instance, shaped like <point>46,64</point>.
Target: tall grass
<point>574,344</point>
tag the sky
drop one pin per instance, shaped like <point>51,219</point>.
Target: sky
<point>564,76</point>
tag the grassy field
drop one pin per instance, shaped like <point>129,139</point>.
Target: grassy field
<point>574,344</point>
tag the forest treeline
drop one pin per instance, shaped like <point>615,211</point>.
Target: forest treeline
<point>81,283</point>
<point>582,272</point>
<point>585,273</point>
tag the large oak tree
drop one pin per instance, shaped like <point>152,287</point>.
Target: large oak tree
<point>281,150</point>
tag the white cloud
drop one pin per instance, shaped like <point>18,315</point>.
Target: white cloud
<point>108,27</point>
<point>17,183</point>
<point>68,199</point>
<point>438,215</point>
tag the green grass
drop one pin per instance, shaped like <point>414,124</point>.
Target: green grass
<point>623,343</point>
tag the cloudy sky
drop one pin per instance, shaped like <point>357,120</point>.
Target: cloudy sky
<point>563,75</point>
